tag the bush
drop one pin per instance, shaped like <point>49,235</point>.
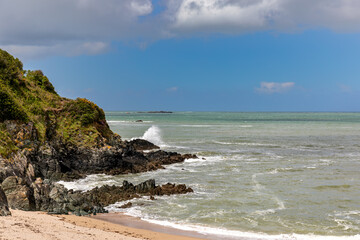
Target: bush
<point>9,109</point>
<point>11,69</point>
<point>86,111</point>
<point>41,80</point>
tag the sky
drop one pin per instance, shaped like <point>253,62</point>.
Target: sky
<point>192,55</point>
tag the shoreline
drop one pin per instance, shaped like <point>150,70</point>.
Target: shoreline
<point>131,226</point>
<point>140,224</point>
<point>29,225</point>
<point>154,231</point>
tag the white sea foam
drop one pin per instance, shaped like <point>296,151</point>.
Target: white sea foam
<point>195,125</point>
<point>221,232</point>
<point>90,182</point>
<point>119,121</point>
<point>153,135</point>
<point>244,144</point>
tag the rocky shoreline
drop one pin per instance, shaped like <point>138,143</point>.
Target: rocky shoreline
<point>29,182</point>
<point>45,138</point>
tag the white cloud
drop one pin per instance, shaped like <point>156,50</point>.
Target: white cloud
<point>69,27</point>
<point>73,27</point>
<point>172,89</point>
<point>275,87</point>
<point>224,16</point>
<point>239,16</point>
<point>68,48</point>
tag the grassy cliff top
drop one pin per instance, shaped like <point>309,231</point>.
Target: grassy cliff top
<point>29,96</point>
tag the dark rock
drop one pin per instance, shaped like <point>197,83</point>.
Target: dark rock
<point>146,186</point>
<point>4,207</point>
<point>64,139</point>
<point>127,205</point>
<point>141,145</point>
<point>107,195</point>
<point>139,121</point>
<point>18,194</point>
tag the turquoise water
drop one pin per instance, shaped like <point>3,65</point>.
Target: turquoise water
<point>264,175</point>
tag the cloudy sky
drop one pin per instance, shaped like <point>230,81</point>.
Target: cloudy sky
<point>188,55</point>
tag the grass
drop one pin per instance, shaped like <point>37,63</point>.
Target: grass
<point>29,96</point>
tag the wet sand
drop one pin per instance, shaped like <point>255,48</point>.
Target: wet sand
<point>38,226</point>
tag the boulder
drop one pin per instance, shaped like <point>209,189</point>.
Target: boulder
<point>18,194</point>
<point>142,145</point>
<point>4,207</point>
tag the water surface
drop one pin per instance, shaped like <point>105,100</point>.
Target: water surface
<point>265,175</point>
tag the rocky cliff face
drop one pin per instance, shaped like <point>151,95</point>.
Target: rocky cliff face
<point>45,138</point>
<point>4,207</point>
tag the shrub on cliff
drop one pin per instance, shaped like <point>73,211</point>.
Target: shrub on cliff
<point>85,111</point>
<point>29,96</point>
<point>11,69</point>
<point>9,109</point>
<point>40,80</point>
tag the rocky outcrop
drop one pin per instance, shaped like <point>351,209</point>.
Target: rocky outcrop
<point>141,145</point>
<point>45,137</point>
<point>57,160</point>
<point>107,195</point>
<point>4,207</point>
<point>18,194</point>
<point>56,199</point>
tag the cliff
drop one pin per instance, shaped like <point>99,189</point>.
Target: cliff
<point>45,137</point>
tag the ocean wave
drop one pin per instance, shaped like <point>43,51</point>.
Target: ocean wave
<point>217,232</point>
<point>90,182</point>
<point>153,135</point>
<point>327,187</point>
<point>118,121</point>
<point>245,144</point>
<point>195,125</point>
<point>233,234</point>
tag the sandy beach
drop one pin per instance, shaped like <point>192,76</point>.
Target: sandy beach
<point>39,225</point>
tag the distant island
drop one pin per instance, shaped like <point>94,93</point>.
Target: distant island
<point>156,112</point>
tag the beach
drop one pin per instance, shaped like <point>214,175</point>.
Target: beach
<point>39,225</point>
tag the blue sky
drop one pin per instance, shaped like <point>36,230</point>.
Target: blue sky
<point>204,55</point>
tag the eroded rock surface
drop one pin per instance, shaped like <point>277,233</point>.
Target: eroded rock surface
<point>4,207</point>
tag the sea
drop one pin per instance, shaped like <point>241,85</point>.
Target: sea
<point>258,176</point>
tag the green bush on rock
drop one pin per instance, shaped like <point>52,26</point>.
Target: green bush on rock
<point>84,110</point>
<point>9,109</point>
<point>40,80</point>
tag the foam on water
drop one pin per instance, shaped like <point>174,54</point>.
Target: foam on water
<point>258,178</point>
<point>90,182</point>
<point>218,233</point>
<point>153,135</point>
<point>119,121</point>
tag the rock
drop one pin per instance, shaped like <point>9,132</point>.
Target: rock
<point>4,207</point>
<point>107,195</point>
<point>142,145</point>
<point>64,139</point>
<point>139,121</point>
<point>169,189</point>
<point>127,205</point>
<point>18,194</point>
<point>145,187</point>
<point>166,158</point>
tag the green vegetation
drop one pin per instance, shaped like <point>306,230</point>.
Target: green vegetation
<point>7,146</point>
<point>29,96</point>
